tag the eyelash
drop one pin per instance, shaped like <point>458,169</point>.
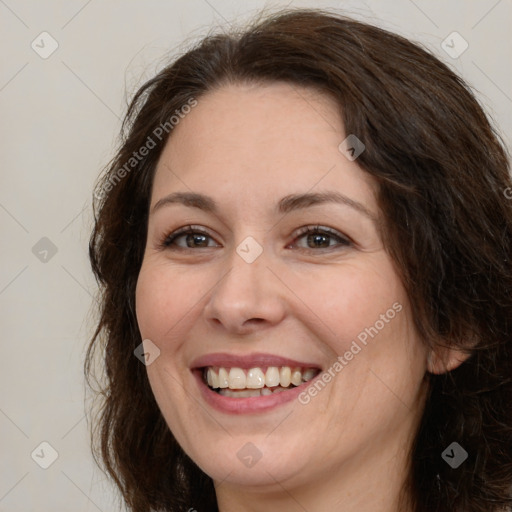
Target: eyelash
<point>343,241</point>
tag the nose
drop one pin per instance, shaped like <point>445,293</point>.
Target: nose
<point>247,298</point>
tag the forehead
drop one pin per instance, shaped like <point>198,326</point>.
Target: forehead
<point>258,143</point>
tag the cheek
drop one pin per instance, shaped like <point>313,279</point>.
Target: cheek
<point>162,300</point>
<point>351,297</point>
<point>365,319</point>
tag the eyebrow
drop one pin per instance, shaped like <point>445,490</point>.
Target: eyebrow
<point>285,205</point>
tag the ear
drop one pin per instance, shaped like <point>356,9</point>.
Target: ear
<point>443,359</point>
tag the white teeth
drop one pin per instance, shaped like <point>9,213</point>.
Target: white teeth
<point>296,378</point>
<point>247,393</point>
<point>223,378</point>
<point>285,376</point>
<point>277,378</point>
<point>255,378</point>
<point>212,378</point>
<point>308,375</point>
<point>272,376</point>
<point>237,378</point>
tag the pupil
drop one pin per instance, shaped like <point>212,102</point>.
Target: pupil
<point>196,239</point>
<point>318,238</point>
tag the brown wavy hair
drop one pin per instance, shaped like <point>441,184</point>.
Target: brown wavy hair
<point>443,175</point>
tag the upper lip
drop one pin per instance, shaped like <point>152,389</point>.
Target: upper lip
<point>225,360</point>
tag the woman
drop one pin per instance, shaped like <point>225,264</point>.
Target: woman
<point>304,250</point>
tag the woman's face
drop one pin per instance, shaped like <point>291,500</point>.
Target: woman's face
<point>248,287</point>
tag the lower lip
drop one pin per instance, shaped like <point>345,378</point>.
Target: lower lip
<point>249,404</point>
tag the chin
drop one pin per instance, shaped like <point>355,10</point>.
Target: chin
<point>251,460</point>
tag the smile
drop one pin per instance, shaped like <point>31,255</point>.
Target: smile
<point>254,382</point>
<point>251,383</point>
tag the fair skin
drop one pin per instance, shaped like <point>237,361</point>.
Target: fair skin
<point>248,146</point>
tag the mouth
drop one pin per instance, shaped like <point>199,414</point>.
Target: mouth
<point>261,381</point>
<point>251,383</point>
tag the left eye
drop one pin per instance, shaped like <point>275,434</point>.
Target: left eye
<point>320,238</point>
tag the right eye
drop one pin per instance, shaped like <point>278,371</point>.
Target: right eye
<point>194,237</point>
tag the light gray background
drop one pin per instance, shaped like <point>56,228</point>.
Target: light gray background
<point>60,118</point>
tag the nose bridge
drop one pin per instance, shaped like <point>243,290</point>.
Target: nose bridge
<point>247,291</point>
